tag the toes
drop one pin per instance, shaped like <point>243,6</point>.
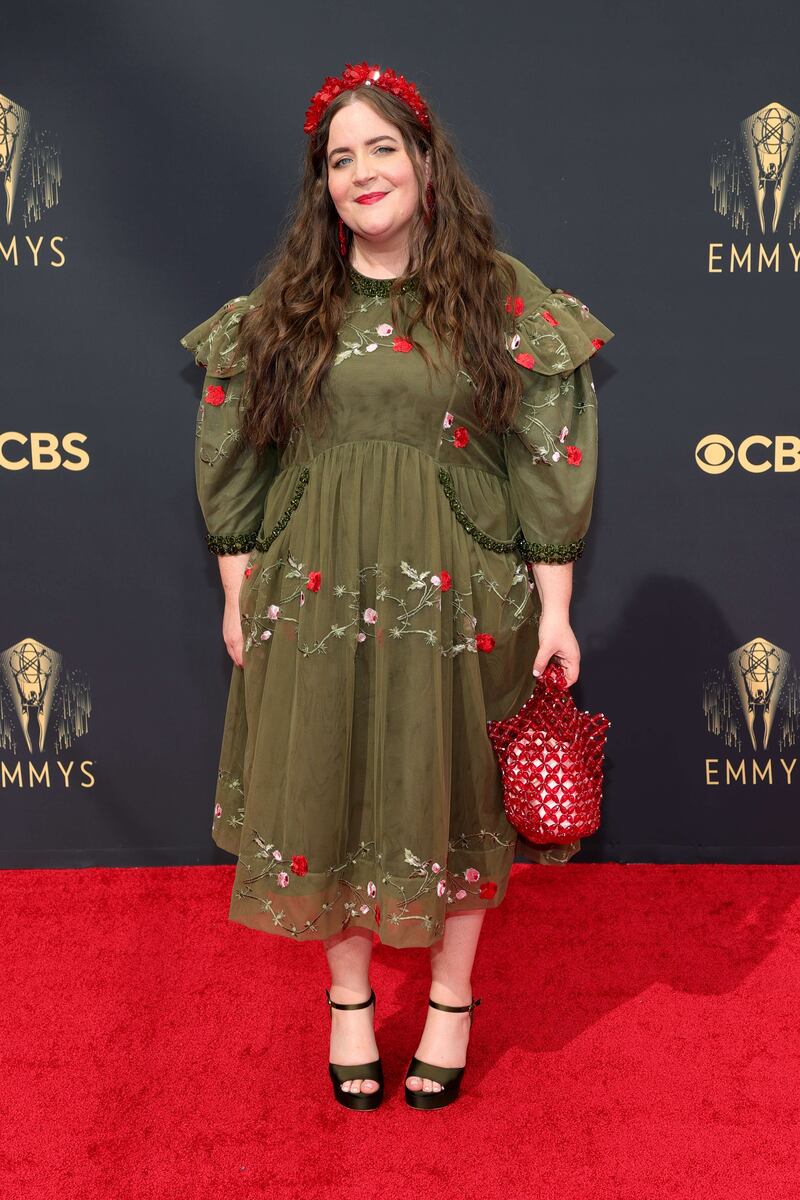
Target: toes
<point>414,1083</point>
<point>369,1085</point>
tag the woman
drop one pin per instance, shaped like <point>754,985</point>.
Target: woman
<point>394,424</point>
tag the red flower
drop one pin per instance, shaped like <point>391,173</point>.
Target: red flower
<point>484,641</point>
<point>525,360</point>
<point>460,436</point>
<point>447,581</point>
<point>401,345</point>
<point>377,914</point>
<point>248,571</point>
<point>299,864</point>
<point>515,304</point>
<point>598,342</point>
<point>574,456</point>
<point>215,395</point>
<point>314,580</point>
<point>488,889</point>
<point>548,316</point>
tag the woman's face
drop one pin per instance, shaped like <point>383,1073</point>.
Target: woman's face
<point>366,154</point>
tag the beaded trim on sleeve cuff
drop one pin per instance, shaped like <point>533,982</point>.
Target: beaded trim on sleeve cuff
<point>237,543</point>
<point>553,552</point>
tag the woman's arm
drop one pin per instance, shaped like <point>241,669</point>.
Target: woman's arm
<point>554,585</point>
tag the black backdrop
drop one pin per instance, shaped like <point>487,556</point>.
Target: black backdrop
<point>165,141</point>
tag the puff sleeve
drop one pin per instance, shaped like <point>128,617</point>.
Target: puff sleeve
<point>551,448</point>
<point>231,480</point>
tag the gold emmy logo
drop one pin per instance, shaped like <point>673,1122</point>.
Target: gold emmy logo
<point>752,174</point>
<point>30,164</point>
<point>44,697</point>
<point>756,690</point>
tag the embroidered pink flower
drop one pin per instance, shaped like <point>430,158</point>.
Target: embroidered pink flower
<point>277,855</point>
<point>299,864</point>
<point>574,456</point>
<point>372,346</point>
<point>515,341</point>
<point>283,879</point>
<point>563,433</point>
<point>436,868</point>
<point>488,889</point>
<point>525,360</point>
<point>401,345</point>
<point>555,456</point>
<point>448,420</point>
<point>385,330</point>
<point>460,894</point>
<point>484,641</point>
<point>273,612</point>
<point>371,889</point>
<point>548,316</point>
<point>598,342</point>
<point>460,437</point>
<point>266,635</point>
<point>441,888</point>
<point>370,616</point>
<point>364,908</point>
<point>302,599</point>
<point>472,875</point>
<point>217,810</point>
<point>215,395</point>
<point>314,580</point>
<point>515,304</point>
<point>362,637</point>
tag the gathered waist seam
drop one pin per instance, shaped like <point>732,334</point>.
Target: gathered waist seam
<point>392,442</point>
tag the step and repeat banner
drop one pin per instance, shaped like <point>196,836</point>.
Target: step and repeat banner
<point>149,156</point>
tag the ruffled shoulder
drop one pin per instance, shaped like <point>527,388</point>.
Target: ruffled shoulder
<point>214,342</point>
<point>554,332</point>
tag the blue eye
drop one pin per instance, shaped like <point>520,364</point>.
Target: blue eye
<point>344,159</point>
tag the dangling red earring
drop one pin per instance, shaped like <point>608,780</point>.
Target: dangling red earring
<point>342,238</point>
<point>430,203</point>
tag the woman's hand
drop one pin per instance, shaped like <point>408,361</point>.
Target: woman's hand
<point>557,639</point>
<point>232,630</point>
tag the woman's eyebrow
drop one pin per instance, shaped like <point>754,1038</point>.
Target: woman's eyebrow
<point>381,137</point>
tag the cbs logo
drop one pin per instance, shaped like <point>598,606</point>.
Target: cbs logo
<point>42,452</point>
<point>716,454</point>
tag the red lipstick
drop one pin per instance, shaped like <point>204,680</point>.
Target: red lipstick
<point>370,197</point>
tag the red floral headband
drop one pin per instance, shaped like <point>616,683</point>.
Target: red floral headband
<point>352,77</point>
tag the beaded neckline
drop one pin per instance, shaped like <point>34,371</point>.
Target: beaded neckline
<point>365,286</point>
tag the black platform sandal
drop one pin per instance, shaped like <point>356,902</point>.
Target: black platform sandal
<point>448,1077</point>
<point>373,1070</point>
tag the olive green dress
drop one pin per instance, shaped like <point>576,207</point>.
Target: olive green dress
<point>388,613</point>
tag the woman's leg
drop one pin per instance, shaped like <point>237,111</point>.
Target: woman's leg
<point>352,1032</point>
<point>446,1035</point>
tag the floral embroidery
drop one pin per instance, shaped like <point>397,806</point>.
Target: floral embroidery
<point>299,864</point>
<point>360,341</point>
<point>395,616</point>
<point>548,316</point>
<point>515,305</point>
<point>525,360</point>
<point>574,456</point>
<point>401,345</point>
<point>215,395</point>
<point>314,581</point>
<point>542,444</point>
<point>598,342</point>
<point>460,436</point>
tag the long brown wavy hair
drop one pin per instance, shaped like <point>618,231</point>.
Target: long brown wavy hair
<point>290,339</point>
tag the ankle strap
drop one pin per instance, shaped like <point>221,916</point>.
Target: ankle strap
<point>361,1003</point>
<point>454,1007</point>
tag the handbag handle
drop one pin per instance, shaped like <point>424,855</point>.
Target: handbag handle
<point>554,677</point>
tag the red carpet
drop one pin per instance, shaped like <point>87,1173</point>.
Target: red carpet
<point>638,1039</point>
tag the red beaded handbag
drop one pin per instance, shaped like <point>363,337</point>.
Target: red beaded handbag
<point>551,759</point>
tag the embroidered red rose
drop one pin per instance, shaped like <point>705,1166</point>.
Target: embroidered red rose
<point>484,641</point>
<point>515,304</point>
<point>377,914</point>
<point>299,864</point>
<point>548,316</point>
<point>525,360</point>
<point>574,456</point>
<point>446,581</point>
<point>460,436</point>
<point>598,342</point>
<point>215,395</point>
<point>314,580</point>
<point>401,345</point>
<point>488,889</point>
